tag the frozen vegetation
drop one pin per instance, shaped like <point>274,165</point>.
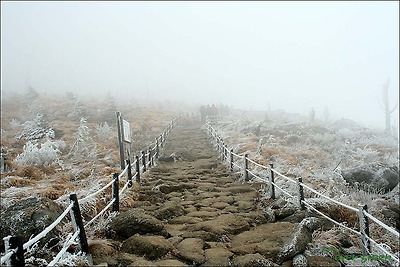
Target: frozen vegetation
<point>57,145</point>
<point>341,159</point>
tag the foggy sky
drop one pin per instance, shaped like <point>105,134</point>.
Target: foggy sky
<point>293,55</point>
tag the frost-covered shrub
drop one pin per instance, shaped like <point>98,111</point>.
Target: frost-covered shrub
<point>34,109</point>
<point>78,259</point>
<point>36,129</point>
<point>79,111</point>
<point>31,94</point>
<point>108,114</point>
<point>14,123</point>
<point>104,132</point>
<point>46,155</point>
<point>367,155</point>
<point>346,133</point>
<point>60,145</point>
<point>81,147</point>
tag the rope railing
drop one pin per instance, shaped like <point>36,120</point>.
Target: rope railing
<point>7,256</point>
<point>258,164</point>
<point>39,236</point>
<point>97,192</point>
<point>236,155</point>
<point>330,219</point>
<point>362,211</point>
<point>101,212</point>
<point>282,175</point>
<point>394,257</point>
<point>328,198</point>
<point>123,172</point>
<point>65,248</point>
<point>48,228</point>
<point>283,191</point>
<point>236,165</point>
<point>388,228</point>
<point>123,189</point>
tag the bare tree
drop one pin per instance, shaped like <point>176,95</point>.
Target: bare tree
<point>386,107</point>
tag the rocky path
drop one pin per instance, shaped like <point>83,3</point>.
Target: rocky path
<point>193,211</point>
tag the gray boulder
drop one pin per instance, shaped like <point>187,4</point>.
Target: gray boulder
<point>29,217</point>
<point>169,210</point>
<point>152,247</point>
<point>191,250</point>
<point>376,175</point>
<point>135,221</point>
<point>300,239</point>
<point>254,260</point>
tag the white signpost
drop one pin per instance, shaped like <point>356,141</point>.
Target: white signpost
<point>127,131</point>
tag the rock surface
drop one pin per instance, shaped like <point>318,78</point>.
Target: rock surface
<point>135,221</point>
<point>29,217</point>
<point>378,176</point>
<point>193,211</point>
<point>152,247</point>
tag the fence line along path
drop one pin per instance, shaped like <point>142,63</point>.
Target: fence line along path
<point>228,156</point>
<point>193,210</point>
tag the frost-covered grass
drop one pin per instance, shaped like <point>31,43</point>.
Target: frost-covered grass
<point>77,157</point>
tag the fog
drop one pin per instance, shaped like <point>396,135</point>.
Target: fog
<point>289,55</point>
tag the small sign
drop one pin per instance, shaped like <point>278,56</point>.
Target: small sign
<point>127,131</point>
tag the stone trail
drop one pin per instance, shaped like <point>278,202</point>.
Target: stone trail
<point>193,211</point>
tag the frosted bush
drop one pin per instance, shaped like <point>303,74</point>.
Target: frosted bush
<point>46,155</point>
<point>104,132</point>
<point>367,155</point>
<point>14,123</point>
<point>37,129</point>
<point>81,148</point>
<point>78,259</point>
<point>60,145</point>
<point>79,111</point>
<point>346,134</point>
<point>34,109</point>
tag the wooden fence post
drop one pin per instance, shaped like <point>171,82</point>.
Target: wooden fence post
<point>120,141</point>
<point>149,159</point>
<point>3,164</point>
<point>137,170</point>
<point>231,160</point>
<point>226,152</point>
<point>129,172</point>
<point>246,165</point>
<point>78,225</point>
<point>115,192</point>
<point>144,161</point>
<point>364,229</point>
<point>271,181</point>
<point>222,151</point>
<point>11,243</point>
<point>157,149</point>
<point>301,193</point>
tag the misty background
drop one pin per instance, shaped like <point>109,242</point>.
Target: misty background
<point>289,55</point>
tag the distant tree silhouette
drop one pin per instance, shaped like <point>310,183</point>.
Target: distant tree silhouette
<point>31,94</point>
<point>109,113</point>
<point>79,111</point>
<point>386,106</point>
